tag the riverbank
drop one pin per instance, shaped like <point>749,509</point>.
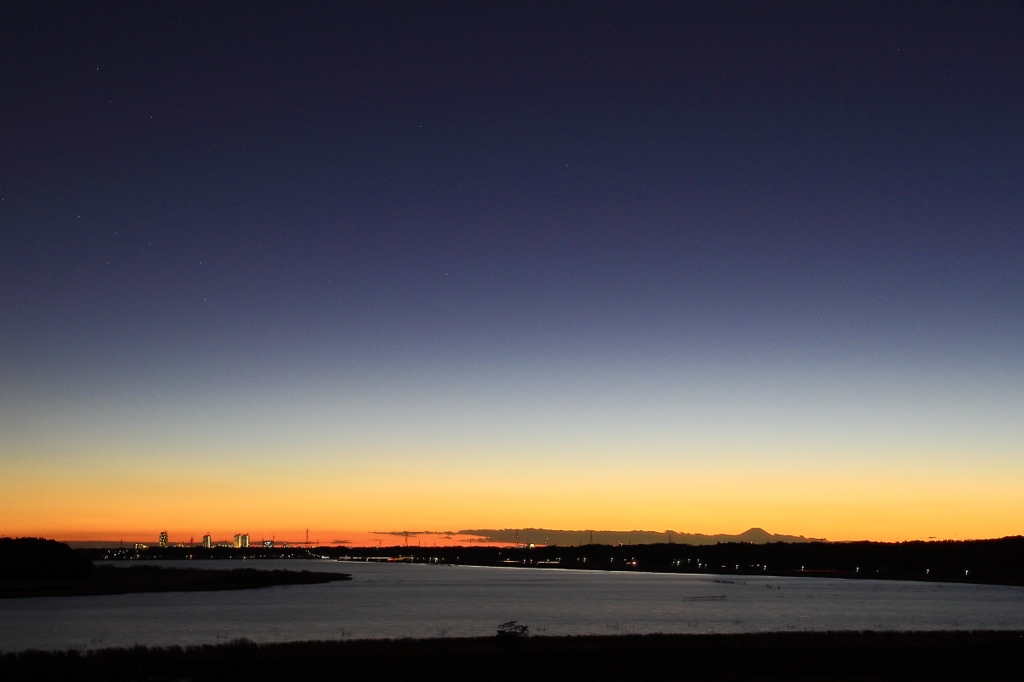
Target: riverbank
<point>106,579</point>
<point>833,656</point>
<point>986,562</point>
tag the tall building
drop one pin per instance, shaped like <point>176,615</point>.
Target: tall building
<point>242,540</point>
<point>163,538</point>
<point>207,541</point>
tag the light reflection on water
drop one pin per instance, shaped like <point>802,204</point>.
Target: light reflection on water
<point>415,600</point>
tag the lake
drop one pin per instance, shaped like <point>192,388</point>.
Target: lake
<point>421,600</point>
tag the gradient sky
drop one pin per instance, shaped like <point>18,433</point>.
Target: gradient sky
<point>383,266</point>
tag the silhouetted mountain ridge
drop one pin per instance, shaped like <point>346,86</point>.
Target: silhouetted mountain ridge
<point>548,536</point>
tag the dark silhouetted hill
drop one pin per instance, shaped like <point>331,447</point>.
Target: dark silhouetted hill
<point>36,559</point>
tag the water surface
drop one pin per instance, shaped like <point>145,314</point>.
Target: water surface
<point>417,600</point>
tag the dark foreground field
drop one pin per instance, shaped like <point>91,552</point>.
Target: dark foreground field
<point>126,580</point>
<point>841,656</point>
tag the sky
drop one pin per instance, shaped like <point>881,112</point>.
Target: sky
<point>389,266</point>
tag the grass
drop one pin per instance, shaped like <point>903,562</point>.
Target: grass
<point>833,656</point>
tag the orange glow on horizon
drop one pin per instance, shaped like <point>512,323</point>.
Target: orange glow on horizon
<point>828,501</point>
<point>293,539</point>
<point>414,539</point>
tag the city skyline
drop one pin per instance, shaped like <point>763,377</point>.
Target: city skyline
<point>390,265</point>
<point>507,537</point>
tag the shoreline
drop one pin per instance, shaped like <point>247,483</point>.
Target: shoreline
<point>730,576</point>
<point>106,580</point>
<point>739,576</point>
<point>980,562</point>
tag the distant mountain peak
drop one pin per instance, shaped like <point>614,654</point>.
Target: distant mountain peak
<point>759,533</point>
<point>636,537</point>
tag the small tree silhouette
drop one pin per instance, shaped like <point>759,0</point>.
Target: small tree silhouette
<point>512,628</point>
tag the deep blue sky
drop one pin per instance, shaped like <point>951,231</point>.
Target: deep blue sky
<point>566,233</point>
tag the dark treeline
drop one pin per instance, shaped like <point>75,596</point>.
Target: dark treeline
<point>34,567</point>
<point>992,561</point>
<point>834,656</point>
<point>999,560</point>
<point>34,559</point>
